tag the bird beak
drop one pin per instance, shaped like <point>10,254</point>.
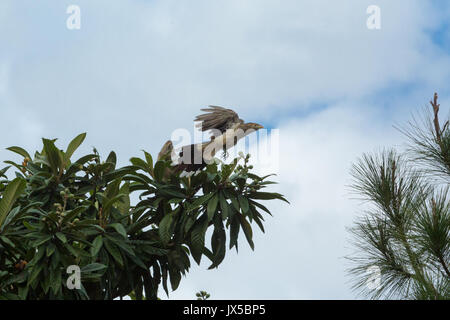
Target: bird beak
<point>258,126</point>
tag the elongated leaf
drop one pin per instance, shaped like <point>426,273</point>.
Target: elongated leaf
<point>10,195</point>
<point>114,252</point>
<point>86,158</point>
<point>70,215</point>
<point>224,206</point>
<point>235,226</point>
<point>266,196</point>
<point>141,164</point>
<point>259,205</point>
<point>111,202</point>
<point>247,231</point>
<point>212,206</point>
<point>218,243</point>
<point>198,240</point>
<point>112,158</point>
<point>35,272</point>
<point>96,245</point>
<point>14,214</point>
<point>119,228</point>
<point>175,278</point>
<point>3,171</point>
<point>20,151</point>
<point>93,267</point>
<point>165,228</point>
<point>55,281</point>
<point>159,170</point>
<point>61,237</point>
<point>243,203</point>
<point>73,146</point>
<point>124,203</point>
<point>50,249</point>
<point>113,188</point>
<point>199,201</point>
<point>149,159</point>
<point>54,156</point>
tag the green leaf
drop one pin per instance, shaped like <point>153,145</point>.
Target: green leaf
<point>159,170</point>
<point>111,202</point>
<point>243,203</point>
<point>54,155</point>
<point>43,239</point>
<point>259,205</point>
<point>149,159</point>
<point>61,237</point>
<point>83,160</point>
<point>165,227</point>
<point>198,239</point>
<point>10,195</point>
<point>124,203</point>
<point>55,281</point>
<point>119,228</point>
<point>235,203</point>
<point>266,196</point>
<point>20,151</point>
<point>93,267</point>
<point>175,278</point>
<point>212,206</point>
<point>224,206</point>
<point>112,158</point>
<point>119,173</point>
<point>235,226</point>
<point>199,201</point>
<point>15,165</point>
<point>3,171</point>
<point>70,215</point>
<point>96,245</point>
<point>218,243</point>
<point>50,249</point>
<point>114,252</point>
<point>7,241</point>
<point>13,215</point>
<point>247,230</point>
<point>113,188</point>
<point>141,164</point>
<point>73,146</point>
<point>35,272</point>
<point>257,218</point>
<point>171,193</point>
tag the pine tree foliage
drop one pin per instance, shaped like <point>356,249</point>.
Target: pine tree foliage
<point>402,243</point>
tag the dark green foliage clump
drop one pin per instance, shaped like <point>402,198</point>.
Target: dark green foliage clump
<point>58,213</point>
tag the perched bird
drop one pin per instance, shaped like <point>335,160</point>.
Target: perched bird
<point>221,120</point>
<point>227,128</point>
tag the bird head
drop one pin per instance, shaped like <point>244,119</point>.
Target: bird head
<point>251,126</point>
<point>166,151</point>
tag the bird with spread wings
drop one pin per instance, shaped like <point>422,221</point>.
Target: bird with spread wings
<point>227,128</point>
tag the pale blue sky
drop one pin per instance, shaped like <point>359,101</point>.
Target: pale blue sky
<point>138,69</point>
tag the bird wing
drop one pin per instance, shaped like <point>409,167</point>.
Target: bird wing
<point>219,118</point>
